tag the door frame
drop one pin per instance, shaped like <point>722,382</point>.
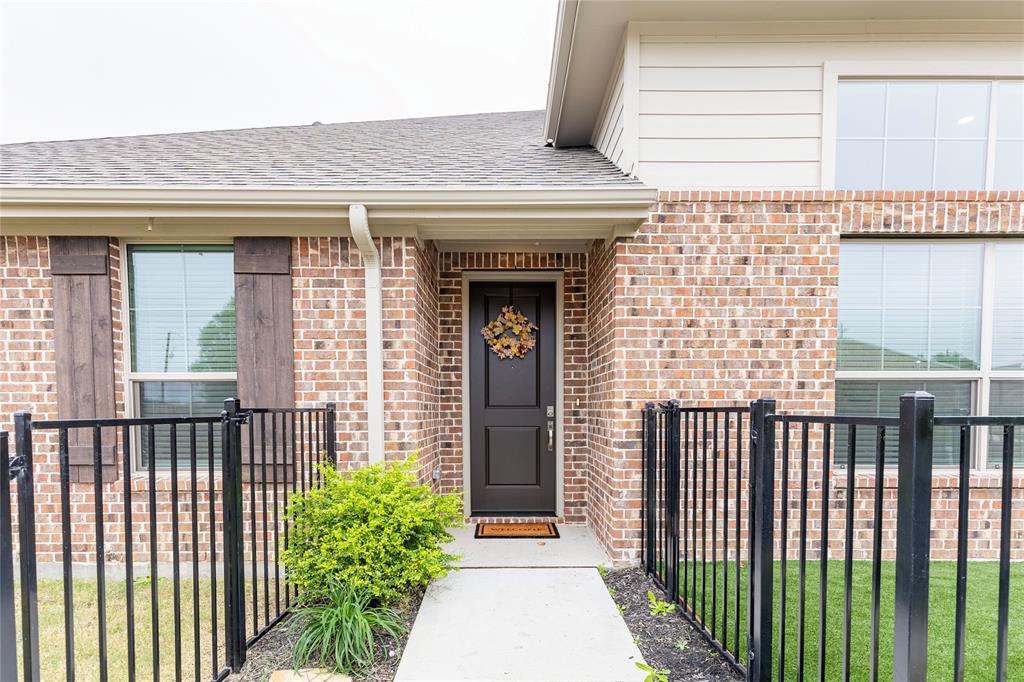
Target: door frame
<point>558,277</point>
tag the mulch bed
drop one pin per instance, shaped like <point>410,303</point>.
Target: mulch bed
<point>667,642</point>
<point>275,650</point>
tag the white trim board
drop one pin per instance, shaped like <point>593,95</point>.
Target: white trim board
<point>438,213</point>
<point>558,277</point>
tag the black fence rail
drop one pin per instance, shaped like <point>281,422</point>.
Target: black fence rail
<point>152,559</point>
<point>695,474</point>
<point>286,447</point>
<point>800,545</point>
<point>1005,433</point>
<point>817,439</point>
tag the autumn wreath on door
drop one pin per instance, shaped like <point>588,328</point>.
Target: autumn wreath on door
<point>510,334</point>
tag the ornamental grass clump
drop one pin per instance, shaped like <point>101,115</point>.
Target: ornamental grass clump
<point>341,633</point>
<point>375,530</point>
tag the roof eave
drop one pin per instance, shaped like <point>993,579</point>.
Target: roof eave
<point>565,29</point>
<point>467,212</point>
<point>12,195</point>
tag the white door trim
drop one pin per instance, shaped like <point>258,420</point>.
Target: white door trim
<point>558,277</point>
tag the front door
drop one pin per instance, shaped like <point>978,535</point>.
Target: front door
<point>512,403</point>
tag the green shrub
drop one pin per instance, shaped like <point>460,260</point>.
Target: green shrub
<point>340,634</point>
<point>373,529</point>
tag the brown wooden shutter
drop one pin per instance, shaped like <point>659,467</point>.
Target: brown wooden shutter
<point>263,329</point>
<point>84,346</point>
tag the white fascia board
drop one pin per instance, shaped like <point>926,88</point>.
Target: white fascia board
<point>561,54</point>
<point>42,210</point>
<point>12,195</point>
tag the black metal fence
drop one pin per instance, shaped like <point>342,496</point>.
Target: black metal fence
<point>736,498</point>
<point>696,474</point>
<point>219,522</point>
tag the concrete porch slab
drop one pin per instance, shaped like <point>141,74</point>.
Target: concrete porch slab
<point>577,546</point>
<point>524,624</point>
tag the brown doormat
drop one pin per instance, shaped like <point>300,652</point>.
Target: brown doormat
<point>516,530</point>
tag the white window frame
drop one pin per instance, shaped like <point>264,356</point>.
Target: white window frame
<point>133,378</point>
<point>834,71</point>
<point>980,378</point>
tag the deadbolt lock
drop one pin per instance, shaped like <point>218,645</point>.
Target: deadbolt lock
<point>551,411</point>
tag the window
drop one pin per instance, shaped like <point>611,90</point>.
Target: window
<point>874,398</point>
<point>1008,308</point>
<point>182,330</point>
<point>907,306</point>
<point>945,317</point>
<point>1007,397</point>
<point>930,134</point>
<point>1009,145</point>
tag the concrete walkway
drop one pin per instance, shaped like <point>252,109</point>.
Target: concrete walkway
<point>524,610</point>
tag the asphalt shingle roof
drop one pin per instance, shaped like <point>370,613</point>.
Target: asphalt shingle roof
<point>504,149</point>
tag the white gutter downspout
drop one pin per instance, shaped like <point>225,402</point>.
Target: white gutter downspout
<point>360,226</point>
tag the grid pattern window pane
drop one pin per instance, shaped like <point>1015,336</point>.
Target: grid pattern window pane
<point>905,306</point>
<point>913,134</point>
<point>1009,148</point>
<point>1006,398</point>
<point>882,398</point>
<point>181,399</point>
<point>1008,307</point>
<point>182,308</point>
<point>182,327</point>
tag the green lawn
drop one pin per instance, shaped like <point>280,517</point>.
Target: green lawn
<point>982,595</point>
<point>982,601</point>
<point>86,630</point>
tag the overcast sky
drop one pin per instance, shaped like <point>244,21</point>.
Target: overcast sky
<point>89,69</point>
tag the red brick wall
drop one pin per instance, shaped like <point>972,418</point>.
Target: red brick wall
<point>330,365</point>
<point>27,369</point>
<point>411,425</point>
<point>727,296</point>
<point>427,370</point>
<point>330,342</point>
<point>607,514</point>
<point>720,298</point>
<point>329,336</point>
<point>27,379</point>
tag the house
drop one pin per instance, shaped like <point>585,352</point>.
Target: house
<point>816,201</point>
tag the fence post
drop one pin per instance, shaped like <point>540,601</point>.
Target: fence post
<point>913,533</point>
<point>650,497</point>
<point>761,537</point>
<point>8,649</point>
<point>329,434</point>
<point>234,563</point>
<point>672,484</point>
<point>27,546</point>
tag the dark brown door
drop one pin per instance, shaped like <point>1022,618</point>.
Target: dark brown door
<point>512,405</point>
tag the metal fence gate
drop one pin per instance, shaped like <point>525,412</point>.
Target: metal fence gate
<point>726,532</point>
<point>195,534</point>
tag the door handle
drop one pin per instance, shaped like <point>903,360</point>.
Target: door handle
<point>551,434</point>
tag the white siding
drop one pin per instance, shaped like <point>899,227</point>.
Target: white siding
<point>746,110</point>
<point>610,132</point>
